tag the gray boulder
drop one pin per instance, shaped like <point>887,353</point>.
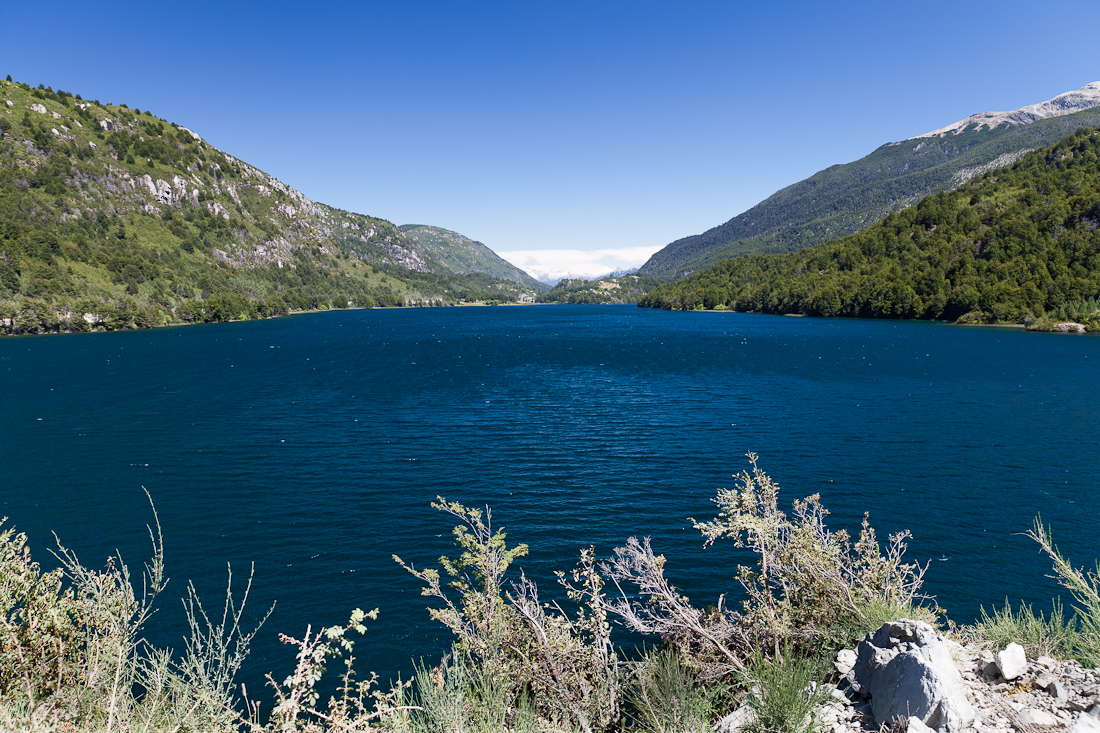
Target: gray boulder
<point>908,671</point>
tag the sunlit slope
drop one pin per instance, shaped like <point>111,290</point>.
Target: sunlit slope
<point>846,198</point>
<point>1012,244</point>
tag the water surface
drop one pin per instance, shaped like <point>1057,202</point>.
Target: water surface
<point>311,447</point>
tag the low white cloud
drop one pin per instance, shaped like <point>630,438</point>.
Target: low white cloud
<point>551,265</point>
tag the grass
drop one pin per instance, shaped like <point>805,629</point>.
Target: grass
<point>1039,635</point>
<point>666,697</point>
<point>784,696</point>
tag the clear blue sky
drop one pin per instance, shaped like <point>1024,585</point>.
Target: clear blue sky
<point>554,126</point>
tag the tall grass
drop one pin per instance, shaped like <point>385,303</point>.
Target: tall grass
<point>1084,586</point>
<point>666,696</point>
<point>1054,636</point>
<point>784,694</point>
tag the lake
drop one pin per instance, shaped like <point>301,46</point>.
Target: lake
<point>312,446</point>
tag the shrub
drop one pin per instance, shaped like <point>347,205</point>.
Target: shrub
<point>1084,586</point>
<point>784,693</point>
<point>809,576</point>
<point>667,697</point>
<point>567,663</point>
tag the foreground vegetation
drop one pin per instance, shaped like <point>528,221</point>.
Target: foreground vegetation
<point>1015,245</point>
<point>72,656</point>
<point>112,218</point>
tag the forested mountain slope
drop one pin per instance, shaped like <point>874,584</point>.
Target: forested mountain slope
<point>463,255</point>
<point>610,290</point>
<point>1011,244</point>
<point>113,218</point>
<point>844,199</point>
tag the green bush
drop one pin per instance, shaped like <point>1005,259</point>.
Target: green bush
<point>810,577</point>
<point>666,696</point>
<point>785,693</point>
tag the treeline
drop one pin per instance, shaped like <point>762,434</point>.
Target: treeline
<point>1006,247</point>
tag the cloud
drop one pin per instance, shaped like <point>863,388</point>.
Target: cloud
<point>550,265</point>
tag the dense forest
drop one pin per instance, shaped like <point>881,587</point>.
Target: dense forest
<point>1016,244</point>
<point>111,218</point>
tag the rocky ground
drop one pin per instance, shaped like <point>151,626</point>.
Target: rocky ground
<point>984,692</point>
<point>905,677</point>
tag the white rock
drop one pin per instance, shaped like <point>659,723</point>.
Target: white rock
<point>1086,723</point>
<point>10,103</point>
<point>1038,717</point>
<point>845,660</point>
<point>1044,680</point>
<point>39,108</point>
<point>735,721</point>
<point>56,116</point>
<point>1058,691</point>
<point>916,725</point>
<point>1064,104</point>
<point>1011,661</point>
<point>1047,662</point>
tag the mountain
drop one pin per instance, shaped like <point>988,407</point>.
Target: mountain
<point>609,290</point>
<point>113,218</point>
<point>1012,245</point>
<point>847,198</point>
<point>463,255</point>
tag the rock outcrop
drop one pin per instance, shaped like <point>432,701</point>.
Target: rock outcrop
<point>1086,97</point>
<point>906,673</point>
<point>907,670</point>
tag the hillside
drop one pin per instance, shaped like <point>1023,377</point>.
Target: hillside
<point>1009,246</point>
<point>610,290</point>
<point>113,218</point>
<point>463,255</point>
<point>844,199</point>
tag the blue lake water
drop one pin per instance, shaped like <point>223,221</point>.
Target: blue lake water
<point>311,447</point>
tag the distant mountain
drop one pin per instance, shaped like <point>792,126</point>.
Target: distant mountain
<point>846,198</point>
<point>552,278</point>
<point>462,255</point>
<point>609,290</point>
<point>1016,244</point>
<point>113,218</point>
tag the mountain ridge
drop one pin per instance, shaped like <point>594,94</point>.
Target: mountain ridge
<point>111,217</point>
<point>461,254</point>
<point>1066,103</point>
<point>1019,244</point>
<point>846,198</point>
